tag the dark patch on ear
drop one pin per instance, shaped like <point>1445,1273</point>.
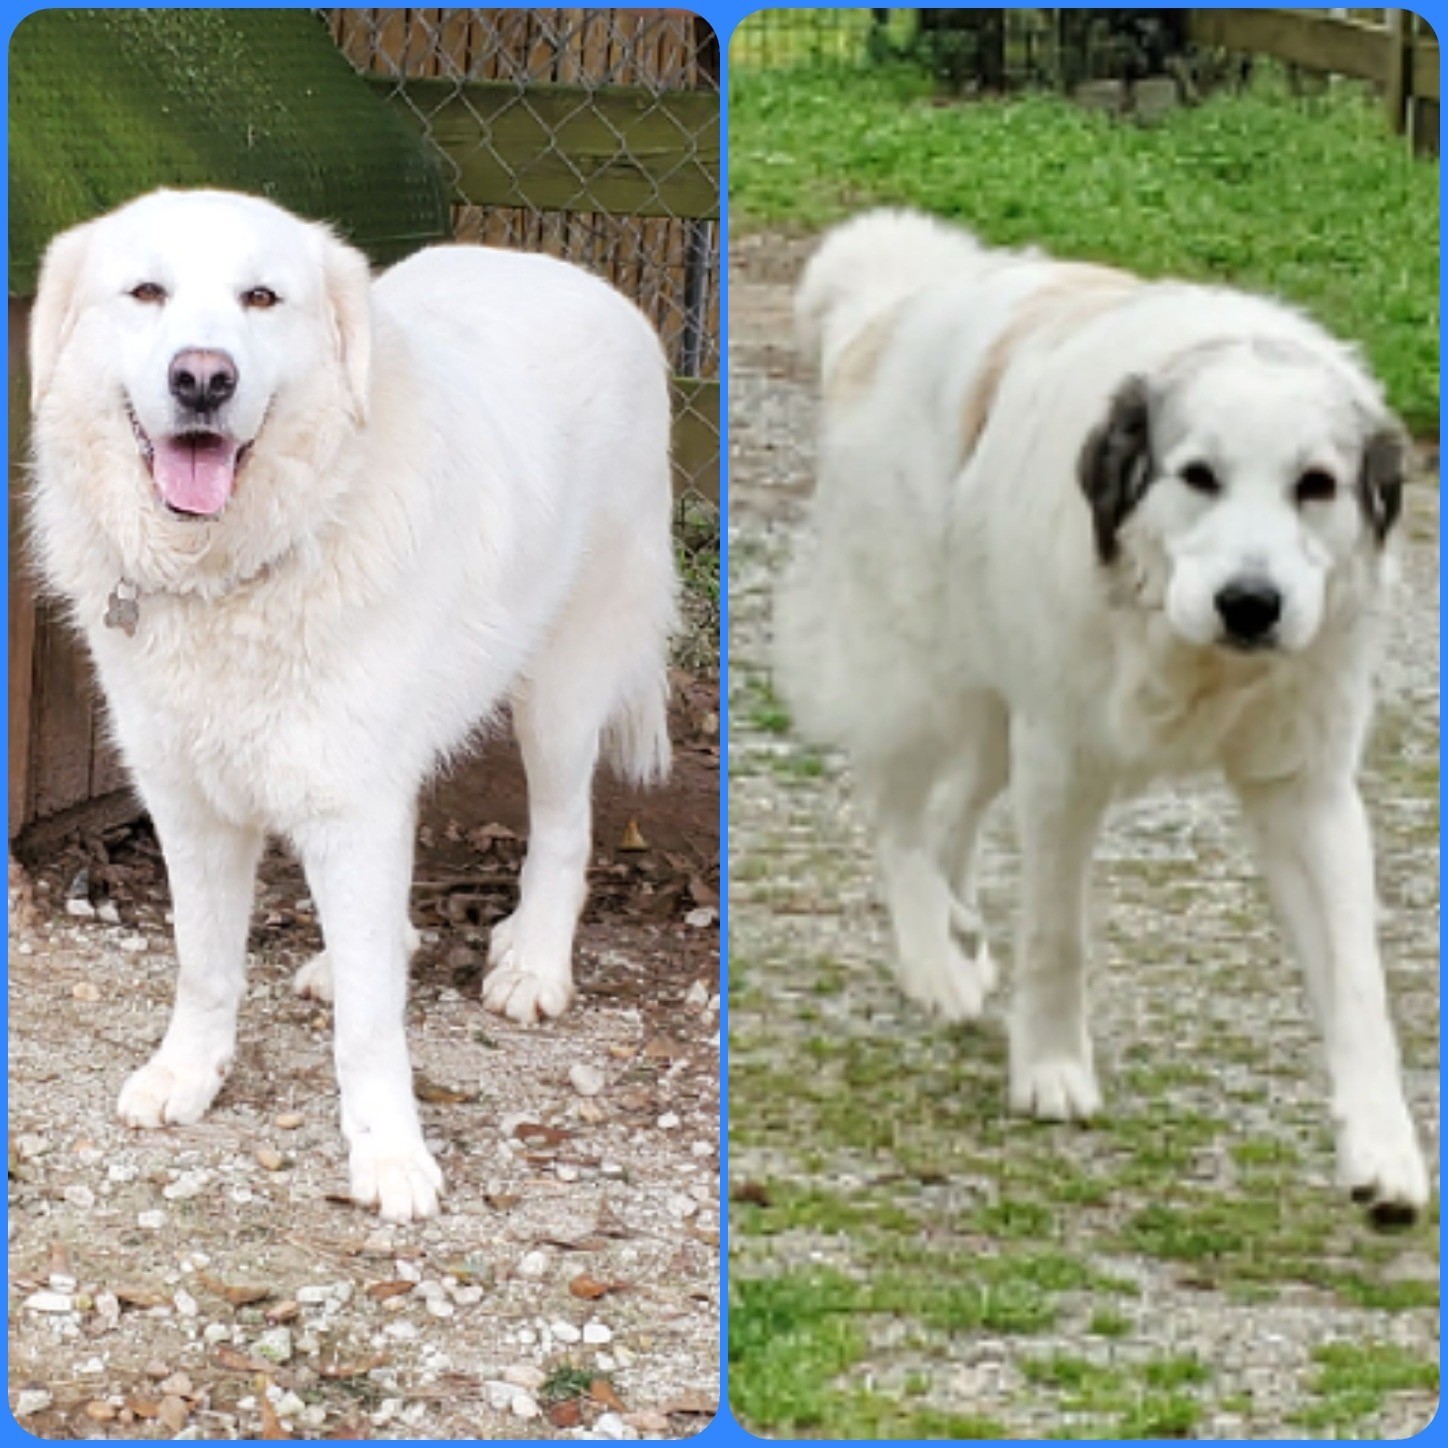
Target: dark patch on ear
<point>1115,466</point>
<point>1380,480</point>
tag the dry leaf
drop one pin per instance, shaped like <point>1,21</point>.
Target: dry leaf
<point>147,1408</point>
<point>239,1295</point>
<point>271,1425</point>
<point>240,1362</point>
<point>435,1095</point>
<point>704,1404</point>
<point>286,1311</point>
<point>533,1133</point>
<point>381,1291</point>
<point>567,1414</point>
<point>633,839</point>
<point>601,1391</point>
<point>99,1411</point>
<point>140,1297</point>
<point>751,1194</point>
<point>352,1370</point>
<point>502,1201</point>
<point>590,1288</point>
<point>174,1412</point>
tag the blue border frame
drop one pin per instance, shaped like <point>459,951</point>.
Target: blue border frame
<point>724,16</point>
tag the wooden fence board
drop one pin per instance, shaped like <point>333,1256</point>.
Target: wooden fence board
<point>1316,42</point>
<point>620,149</point>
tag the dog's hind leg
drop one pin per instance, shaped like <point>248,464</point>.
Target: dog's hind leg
<point>1060,802</point>
<point>931,965</point>
<point>211,865</point>
<point>531,952</point>
<point>979,769</point>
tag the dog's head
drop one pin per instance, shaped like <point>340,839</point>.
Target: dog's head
<point>1242,479</point>
<point>178,341</point>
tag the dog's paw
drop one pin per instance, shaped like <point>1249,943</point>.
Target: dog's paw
<point>1058,1088</point>
<point>397,1176</point>
<point>1383,1168</point>
<point>516,986</point>
<point>314,980</point>
<point>949,975</point>
<point>170,1092</point>
<point>512,990</point>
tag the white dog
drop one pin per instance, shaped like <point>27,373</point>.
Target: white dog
<point>1081,530</point>
<point>316,531</point>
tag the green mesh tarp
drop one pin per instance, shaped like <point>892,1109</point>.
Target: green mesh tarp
<point>106,104</point>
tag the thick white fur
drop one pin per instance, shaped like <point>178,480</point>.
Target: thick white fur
<point>457,498</point>
<point>948,621</point>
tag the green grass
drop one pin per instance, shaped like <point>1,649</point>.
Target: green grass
<point>1308,197</point>
<point>1353,1380</point>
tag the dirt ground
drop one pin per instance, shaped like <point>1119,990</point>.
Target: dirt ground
<point>213,1281</point>
<point>907,1260</point>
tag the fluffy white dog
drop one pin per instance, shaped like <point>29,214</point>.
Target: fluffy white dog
<point>316,531</point>
<point>1078,530</point>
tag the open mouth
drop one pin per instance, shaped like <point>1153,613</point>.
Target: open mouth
<point>194,471</point>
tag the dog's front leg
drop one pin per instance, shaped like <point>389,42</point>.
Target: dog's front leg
<point>211,865</point>
<point>359,868</point>
<point>1313,839</point>
<point>1060,801</point>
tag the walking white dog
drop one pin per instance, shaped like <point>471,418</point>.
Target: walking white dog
<point>316,531</point>
<point>1080,530</point>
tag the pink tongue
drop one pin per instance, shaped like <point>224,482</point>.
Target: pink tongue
<point>195,474</point>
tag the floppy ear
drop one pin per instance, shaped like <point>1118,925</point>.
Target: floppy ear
<point>349,307</point>
<point>1115,465</point>
<point>1381,476</point>
<point>56,306</point>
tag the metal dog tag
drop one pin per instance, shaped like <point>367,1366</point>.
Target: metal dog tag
<point>123,609</point>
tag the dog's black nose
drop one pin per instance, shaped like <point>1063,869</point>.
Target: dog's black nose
<point>1250,608</point>
<point>202,380</point>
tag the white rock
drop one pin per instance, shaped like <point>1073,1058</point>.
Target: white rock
<point>275,1344</point>
<point>585,1079</point>
<point>534,1264</point>
<point>467,1296</point>
<point>31,1400</point>
<point>610,1169</point>
<point>596,1334</point>
<point>525,1375</point>
<point>566,1173</point>
<point>134,944</point>
<point>185,1303</point>
<point>107,913</point>
<point>527,1336</point>
<point>215,1332</point>
<point>613,1426</point>
<point>314,1416</point>
<point>440,1307</point>
<point>80,907</point>
<point>523,1406</point>
<point>565,1332</point>
<point>407,1271</point>
<point>680,1205</point>
<point>702,918</point>
<point>401,1331</point>
<point>696,998</point>
<point>151,1221</point>
<point>62,1282</point>
<point>702,1148</point>
<point>50,1302</point>
<point>430,1289</point>
<point>189,1184</point>
<point>669,1121</point>
<point>289,1405</point>
<point>91,1367</point>
<point>500,1395</point>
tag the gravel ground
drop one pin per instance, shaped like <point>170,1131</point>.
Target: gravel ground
<point>907,1260</point>
<point>213,1281</point>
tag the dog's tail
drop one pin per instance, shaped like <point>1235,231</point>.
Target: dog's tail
<point>636,737</point>
<point>867,267</point>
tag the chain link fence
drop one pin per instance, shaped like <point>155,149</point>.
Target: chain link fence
<point>592,135</point>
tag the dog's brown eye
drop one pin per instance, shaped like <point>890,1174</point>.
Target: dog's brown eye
<point>1200,478</point>
<point>259,298</point>
<point>148,292</point>
<point>1316,486</point>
